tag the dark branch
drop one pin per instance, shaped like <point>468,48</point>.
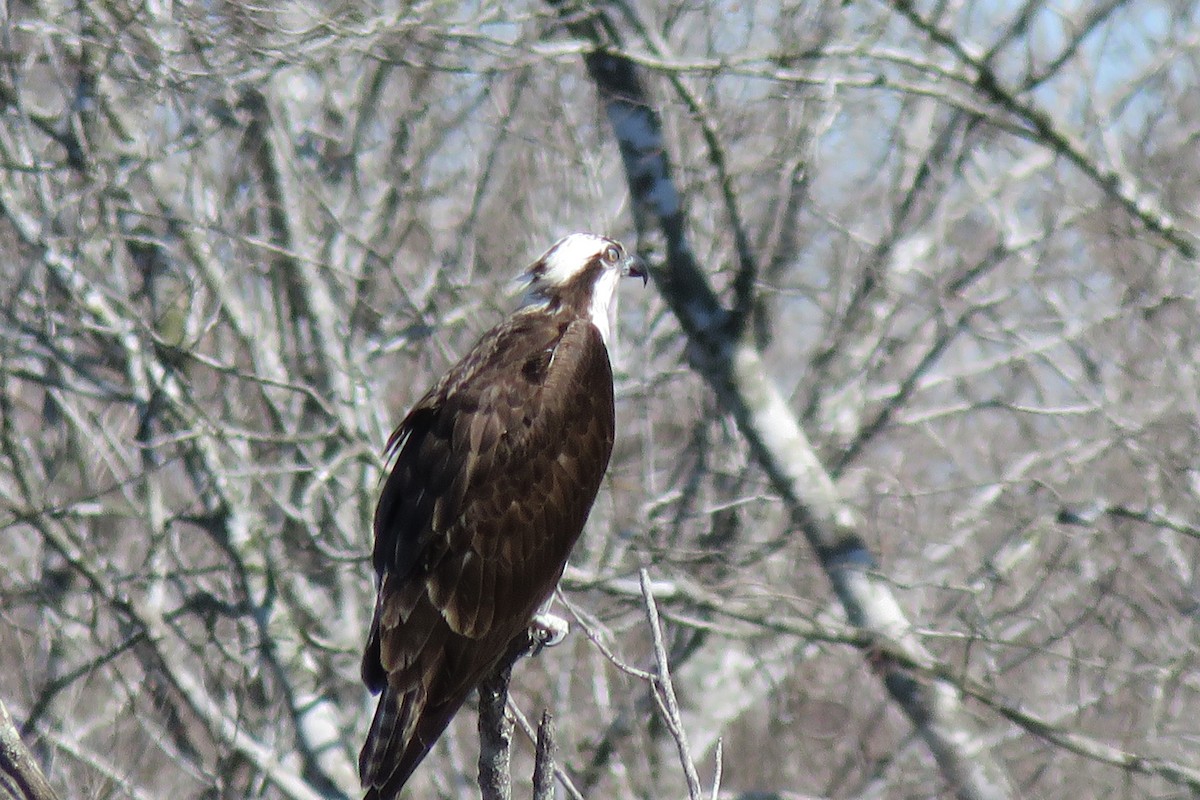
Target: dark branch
<point>495,734</point>
<point>496,727</point>
<point>543,762</point>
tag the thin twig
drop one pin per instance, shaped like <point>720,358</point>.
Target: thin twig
<point>591,629</point>
<point>665,691</point>
<point>718,767</point>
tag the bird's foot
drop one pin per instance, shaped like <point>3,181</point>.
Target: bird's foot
<point>547,630</point>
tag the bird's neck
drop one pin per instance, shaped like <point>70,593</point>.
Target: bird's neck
<point>599,305</point>
<point>602,308</point>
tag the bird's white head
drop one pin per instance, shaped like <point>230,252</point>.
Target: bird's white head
<point>581,271</point>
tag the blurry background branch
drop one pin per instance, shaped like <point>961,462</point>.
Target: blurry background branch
<point>20,776</point>
<point>735,370</point>
<point>1115,181</point>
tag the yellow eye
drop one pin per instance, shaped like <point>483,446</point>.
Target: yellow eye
<point>612,255</point>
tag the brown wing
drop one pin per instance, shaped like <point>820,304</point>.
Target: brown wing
<point>495,472</point>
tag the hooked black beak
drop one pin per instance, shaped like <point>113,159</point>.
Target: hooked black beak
<point>635,268</point>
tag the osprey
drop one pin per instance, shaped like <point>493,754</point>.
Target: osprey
<point>494,472</point>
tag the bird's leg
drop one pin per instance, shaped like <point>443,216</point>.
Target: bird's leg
<point>546,629</point>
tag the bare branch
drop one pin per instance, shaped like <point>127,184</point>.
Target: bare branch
<point>20,776</point>
<point>735,371</point>
<point>664,692</point>
<point>560,774</point>
<point>544,757</point>
<point>1120,187</point>
<point>495,734</point>
<point>718,767</point>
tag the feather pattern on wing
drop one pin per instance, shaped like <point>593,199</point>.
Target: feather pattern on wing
<point>494,473</point>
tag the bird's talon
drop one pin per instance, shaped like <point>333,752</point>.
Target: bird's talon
<point>547,630</point>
